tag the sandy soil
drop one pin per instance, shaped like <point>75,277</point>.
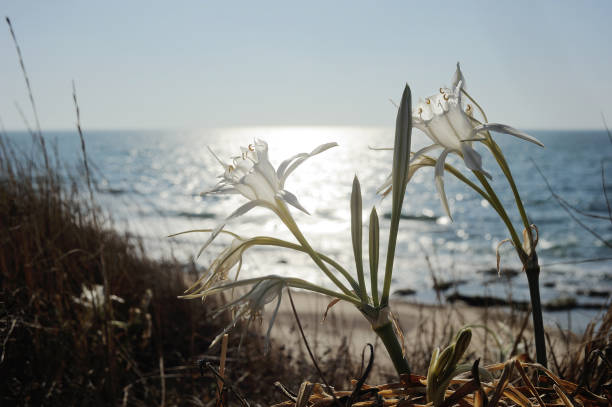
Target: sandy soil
<point>424,327</point>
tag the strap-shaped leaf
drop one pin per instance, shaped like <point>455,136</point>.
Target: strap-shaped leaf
<point>357,236</point>
<point>399,179</point>
<point>374,251</point>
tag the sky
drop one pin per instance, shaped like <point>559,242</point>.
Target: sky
<point>198,64</point>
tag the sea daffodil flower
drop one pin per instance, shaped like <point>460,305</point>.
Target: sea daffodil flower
<point>252,175</point>
<point>451,127</point>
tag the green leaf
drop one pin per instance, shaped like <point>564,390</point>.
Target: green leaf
<point>356,234</point>
<point>374,251</point>
<point>399,179</point>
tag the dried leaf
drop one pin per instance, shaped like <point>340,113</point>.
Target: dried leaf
<point>331,304</point>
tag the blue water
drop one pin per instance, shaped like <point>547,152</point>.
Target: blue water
<point>149,182</point>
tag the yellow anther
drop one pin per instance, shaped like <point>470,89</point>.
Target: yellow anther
<point>251,148</point>
<point>441,91</point>
<point>445,96</point>
<point>230,168</point>
<point>428,101</point>
<point>469,107</point>
<point>420,110</point>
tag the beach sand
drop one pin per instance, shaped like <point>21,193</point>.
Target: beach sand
<point>423,326</point>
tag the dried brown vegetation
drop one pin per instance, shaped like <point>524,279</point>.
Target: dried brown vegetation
<point>87,319</point>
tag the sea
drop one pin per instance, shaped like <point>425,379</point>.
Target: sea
<point>149,183</point>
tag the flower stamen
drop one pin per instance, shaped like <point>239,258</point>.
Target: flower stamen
<point>428,101</point>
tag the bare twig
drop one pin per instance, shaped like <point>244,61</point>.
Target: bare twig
<point>222,368</point>
<point>603,119</point>
<point>229,385</point>
<point>605,191</point>
<point>288,393</point>
<point>83,150</point>
<point>520,335</point>
<point>30,94</point>
<point>566,207</point>
<point>8,335</point>
<point>162,375</point>
<point>312,357</point>
<point>25,121</point>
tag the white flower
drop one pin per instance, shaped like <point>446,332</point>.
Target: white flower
<point>252,175</point>
<point>443,119</point>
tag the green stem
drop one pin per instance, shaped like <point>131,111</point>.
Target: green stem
<point>305,285</point>
<point>501,160</point>
<point>313,254</point>
<point>532,268</point>
<point>271,241</point>
<point>389,339</point>
<point>497,205</point>
<point>503,164</point>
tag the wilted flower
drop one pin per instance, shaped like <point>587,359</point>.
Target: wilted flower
<point>222,265</point>
<point>250,306</point>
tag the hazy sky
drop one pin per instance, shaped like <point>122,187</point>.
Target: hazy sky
<point>193,64</point>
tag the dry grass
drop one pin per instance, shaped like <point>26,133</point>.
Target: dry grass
<point>87,319</point>
<point>581,376</point>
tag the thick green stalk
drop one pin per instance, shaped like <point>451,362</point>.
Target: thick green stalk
<point>532,269</point>
<point>530,261</point>
<point>389,339</point>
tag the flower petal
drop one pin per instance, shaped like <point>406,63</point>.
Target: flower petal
<point>217,157</point>
<point>322,148</point>
<point>283,166</point>
<point>458,79</point>
<point>212,237</point>
<point>291,199</point>
<point>502,128</point>
<point>439,173</point>
<point>472,159</point>
<point>263,163</point>
<point>301,159</point>
<point>422,151</point>
<point>247,207</point>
